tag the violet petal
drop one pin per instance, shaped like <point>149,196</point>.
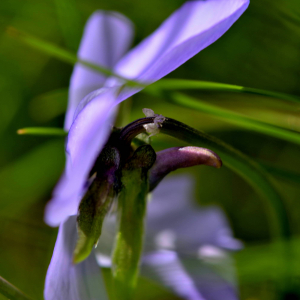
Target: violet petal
<point>106,38</point>
<point>190,29</point>
<point>86,138</point>
<point>66,281</point>
<point>175,222</point>
<point>190,278</point>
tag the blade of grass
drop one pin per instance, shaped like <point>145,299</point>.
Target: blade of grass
<point>272,116</point>
<point>63,54</point>
<point>233,117</point>
<point>179,84</point>
<point>42,131</point>
<point>11,292</point>
<point>289,176</point>
<point>165,84</point>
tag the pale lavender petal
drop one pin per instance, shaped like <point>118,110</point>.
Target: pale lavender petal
<point>106,38</point>
<point>86,137</point>
<point>106,242</point>
<point>193,27</point>
<point>191,278</point>
<point>175,222</point>
<point>66,281</point>
<point>165,268</point>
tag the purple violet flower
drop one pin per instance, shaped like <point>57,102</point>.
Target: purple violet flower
<point>106,38</point>
<point>191,28</point>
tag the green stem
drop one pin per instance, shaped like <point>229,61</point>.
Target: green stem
<point>131,212</point>
<point>11,292</point>
<point>132,207</point>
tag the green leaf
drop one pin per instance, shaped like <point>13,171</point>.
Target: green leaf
<point>233,117</point>
<point>42,131</point>
<point>179,84</point>
<point>63,54</point>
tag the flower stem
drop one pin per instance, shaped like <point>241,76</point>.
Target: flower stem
<point>131,212</point>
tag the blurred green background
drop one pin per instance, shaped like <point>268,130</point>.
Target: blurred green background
<point>261,50</point>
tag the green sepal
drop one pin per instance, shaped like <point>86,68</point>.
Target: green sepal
<point>96,203</point>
